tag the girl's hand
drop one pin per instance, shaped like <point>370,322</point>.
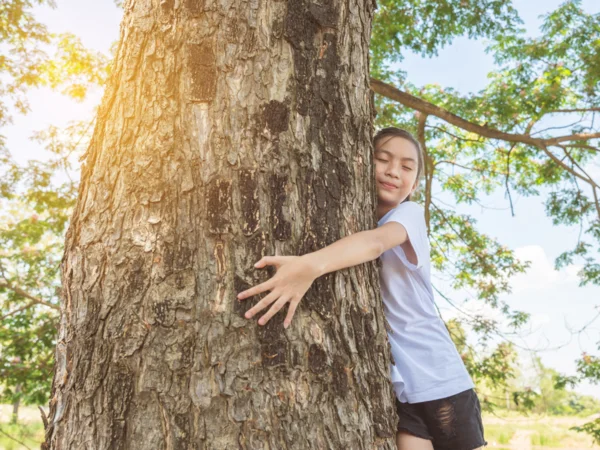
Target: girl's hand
<point>289,284</point>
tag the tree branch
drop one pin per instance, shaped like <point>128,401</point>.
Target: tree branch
<point>445,161</point>
<point>561,127</point>
<point>574,110</point>
<point>507,179</point>
<point>453,135</point>
<point>575,163</point>
<point>23,308</point>
<point>592,182</point>
<point>428,169</point>
<point>596,201</point>
<point>22,293</point>
<point>425,107</point>
<point>567,168</point>
<point>587,147</point>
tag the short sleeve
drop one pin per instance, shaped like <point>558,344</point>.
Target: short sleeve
<point>412,216</point>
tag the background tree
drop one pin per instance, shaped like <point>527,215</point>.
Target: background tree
<point>36,198</point>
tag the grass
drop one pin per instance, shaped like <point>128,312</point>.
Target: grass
<point>29,431</point>
<point>499,434</point>
<point>30,434</point>
<point>541,435</point>
<point>543,432</point>
<point>548,436</point>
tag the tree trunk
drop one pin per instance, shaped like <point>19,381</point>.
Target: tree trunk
<point>15,412</point>
<point>229,130</point>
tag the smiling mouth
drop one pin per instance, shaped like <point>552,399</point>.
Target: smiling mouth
<point>391,186</point>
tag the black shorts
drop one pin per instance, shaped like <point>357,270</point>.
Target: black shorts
<point>451,423</point>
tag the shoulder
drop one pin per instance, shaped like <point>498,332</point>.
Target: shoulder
<point>404,212</point>
<point>410,208</point>
<point>412,216</point>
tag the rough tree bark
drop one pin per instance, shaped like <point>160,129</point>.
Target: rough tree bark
<point>229,130</point>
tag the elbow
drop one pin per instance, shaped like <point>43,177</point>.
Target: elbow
<point>375,245</point>
<point>378,249</point>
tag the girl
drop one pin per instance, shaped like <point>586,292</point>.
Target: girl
<point>436,403</point>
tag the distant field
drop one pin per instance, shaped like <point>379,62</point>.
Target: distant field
<point>535,432</point>
<point>510,432</point>
<point>29,430</point>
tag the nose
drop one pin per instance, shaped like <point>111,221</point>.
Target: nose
<point>393,170</point>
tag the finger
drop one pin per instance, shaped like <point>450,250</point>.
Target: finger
<point>262,304</point>
<point>259,288</point>
<point>274,310</point>
<point>268,261</point>
<point>264,261</point>
<point>290,313</point>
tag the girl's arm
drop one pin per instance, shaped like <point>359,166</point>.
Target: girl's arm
<point>295,274</point>
<point>357,248</point>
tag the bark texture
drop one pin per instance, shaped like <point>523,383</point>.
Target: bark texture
<point>230,130</point>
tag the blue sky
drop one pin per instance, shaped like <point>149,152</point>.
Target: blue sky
<point>553,298</point>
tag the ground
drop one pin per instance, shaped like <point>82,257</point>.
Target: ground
<point>535,432</point>
<point>502,431</point>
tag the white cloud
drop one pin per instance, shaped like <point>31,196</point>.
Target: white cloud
<point>593,169</point>
<point>558,307</point>
<point>541,274</point>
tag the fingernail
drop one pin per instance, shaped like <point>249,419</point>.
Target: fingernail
<point>247,315</point>
<point>285,325</point>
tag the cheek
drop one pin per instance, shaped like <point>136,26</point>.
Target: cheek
<point>412,180</point>
<point>408,179</point>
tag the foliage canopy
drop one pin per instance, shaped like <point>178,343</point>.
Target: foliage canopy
<point>530,131</point>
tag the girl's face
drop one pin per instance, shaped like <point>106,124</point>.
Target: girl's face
<point>396,164</point>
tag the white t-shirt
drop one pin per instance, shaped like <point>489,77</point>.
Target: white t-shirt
<point>427,364</point>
